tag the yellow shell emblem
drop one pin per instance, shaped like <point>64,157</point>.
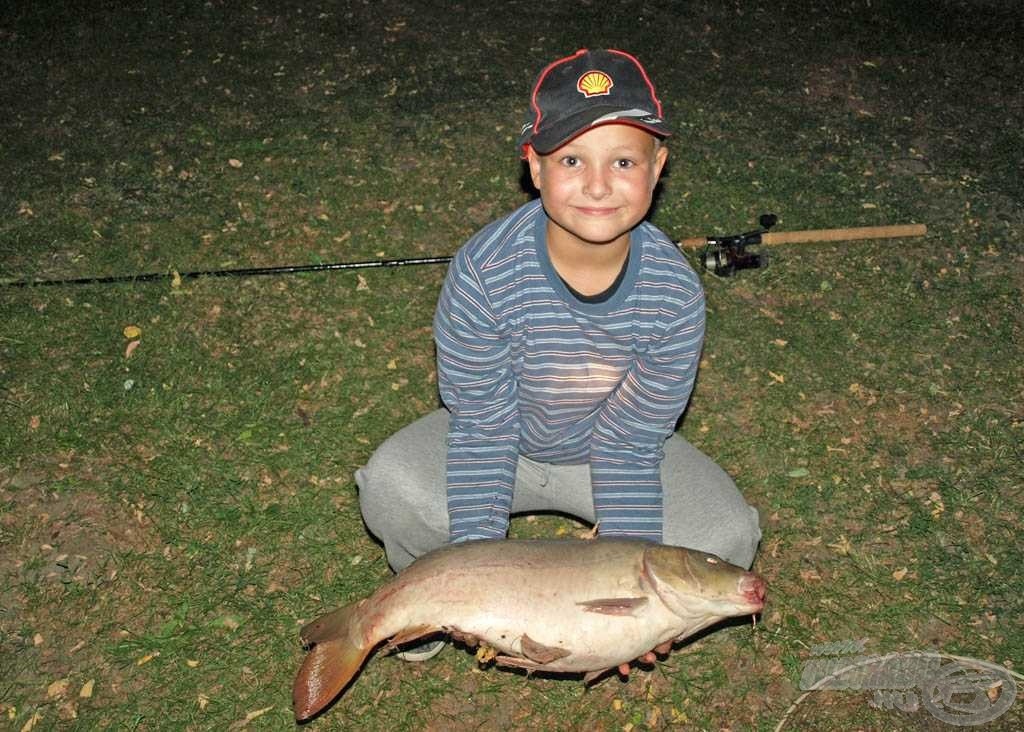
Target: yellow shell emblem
<point>594,83</point>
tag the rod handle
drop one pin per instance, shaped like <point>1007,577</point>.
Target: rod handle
<point>849,234</point>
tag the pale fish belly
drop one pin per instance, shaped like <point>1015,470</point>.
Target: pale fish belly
<point>593,640</point>
<point>526,595</point>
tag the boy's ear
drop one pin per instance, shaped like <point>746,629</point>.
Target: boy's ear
<point>533,160</point>
<point>660,157</point>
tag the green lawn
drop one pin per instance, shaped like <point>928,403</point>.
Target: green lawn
<point>169,517</point>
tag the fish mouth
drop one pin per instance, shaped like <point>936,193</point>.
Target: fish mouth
<point>753,590</point>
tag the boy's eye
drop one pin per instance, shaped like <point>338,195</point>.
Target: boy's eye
<point>624,163</point>
<point>570,161</point>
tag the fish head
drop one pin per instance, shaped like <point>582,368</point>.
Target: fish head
<point>701,587</point>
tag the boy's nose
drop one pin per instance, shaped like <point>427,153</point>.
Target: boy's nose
<point>596,184</point>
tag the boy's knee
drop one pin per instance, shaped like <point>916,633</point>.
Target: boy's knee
<point>402,500</point>
<point>387,487</point>
<point>736,537</point>
<point>746,536</point>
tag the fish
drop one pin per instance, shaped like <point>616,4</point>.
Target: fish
<point>544,605</point>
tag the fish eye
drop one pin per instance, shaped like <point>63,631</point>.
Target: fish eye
<point>711,560</point>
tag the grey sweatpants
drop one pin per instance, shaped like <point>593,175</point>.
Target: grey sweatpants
<point>404,504</point>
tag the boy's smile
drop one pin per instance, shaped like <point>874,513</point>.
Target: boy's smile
<point>596,188</point>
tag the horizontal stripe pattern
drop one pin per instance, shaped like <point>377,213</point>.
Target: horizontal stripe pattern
<point>525,368</point>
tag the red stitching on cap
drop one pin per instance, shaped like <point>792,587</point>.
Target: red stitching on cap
<point>540,80</point>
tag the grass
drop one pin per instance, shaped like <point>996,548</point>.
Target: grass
<point>169,519</point>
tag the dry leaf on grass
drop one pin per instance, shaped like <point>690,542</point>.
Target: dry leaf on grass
<point>57,688</point>
<point>250,717</point>
<point>143,660</point>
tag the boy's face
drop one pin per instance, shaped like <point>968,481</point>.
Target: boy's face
<point>598,186</point>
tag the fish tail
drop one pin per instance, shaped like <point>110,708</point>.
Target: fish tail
<point>331,663</point>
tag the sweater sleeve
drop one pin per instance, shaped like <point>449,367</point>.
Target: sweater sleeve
<point>476,382</point>
<point>631,429</point>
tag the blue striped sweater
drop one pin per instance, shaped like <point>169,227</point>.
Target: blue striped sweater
<point>524,367</point>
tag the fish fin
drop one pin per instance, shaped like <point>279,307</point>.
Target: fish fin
<point>539,652</point>
<point>410,634</point>
<point>327,669</point>
<point>330,625</point>
<point>515,662</point>
<point>614,605</point>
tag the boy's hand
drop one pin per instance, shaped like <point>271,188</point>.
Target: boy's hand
<point>650,657</point>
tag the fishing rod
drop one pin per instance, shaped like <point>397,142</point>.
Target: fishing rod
<point>243,272</point>
<point>722,255</point>
<point>725,255</point>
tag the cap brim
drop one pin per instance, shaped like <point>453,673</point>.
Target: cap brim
<point>554,136</point>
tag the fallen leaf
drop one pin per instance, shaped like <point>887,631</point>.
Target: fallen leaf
<point>191,664</point>
<point>777,377</point>
<point>899,574</point>
<point>842,545</point>
<point>32,722</point>
<point>994,691</point>
<point>143,660</point>
<point>132,331</point>
<point>798,473</point>
<point>34,422</point>
<point>57,688</point>
<point>780,343</point>
<point>131,348</point>
<point>235,163</point>
<point>203,701</point>
<point>37,639</point>
<point>362,283</point>
<point>86,691</point>
<point>250,717</point>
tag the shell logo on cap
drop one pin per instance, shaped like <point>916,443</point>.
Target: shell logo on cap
<point>595,84</point>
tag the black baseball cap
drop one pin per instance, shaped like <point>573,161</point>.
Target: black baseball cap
<point>587,89</point>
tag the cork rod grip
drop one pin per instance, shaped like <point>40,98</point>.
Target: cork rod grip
<point>851,234</point>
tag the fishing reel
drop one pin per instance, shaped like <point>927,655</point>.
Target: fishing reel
<point>724,255</point>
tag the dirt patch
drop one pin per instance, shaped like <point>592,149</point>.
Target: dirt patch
<point>67,537</point>
<point>60,553</point>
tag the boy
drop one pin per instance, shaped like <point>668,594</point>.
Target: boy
<point>568,337</point>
